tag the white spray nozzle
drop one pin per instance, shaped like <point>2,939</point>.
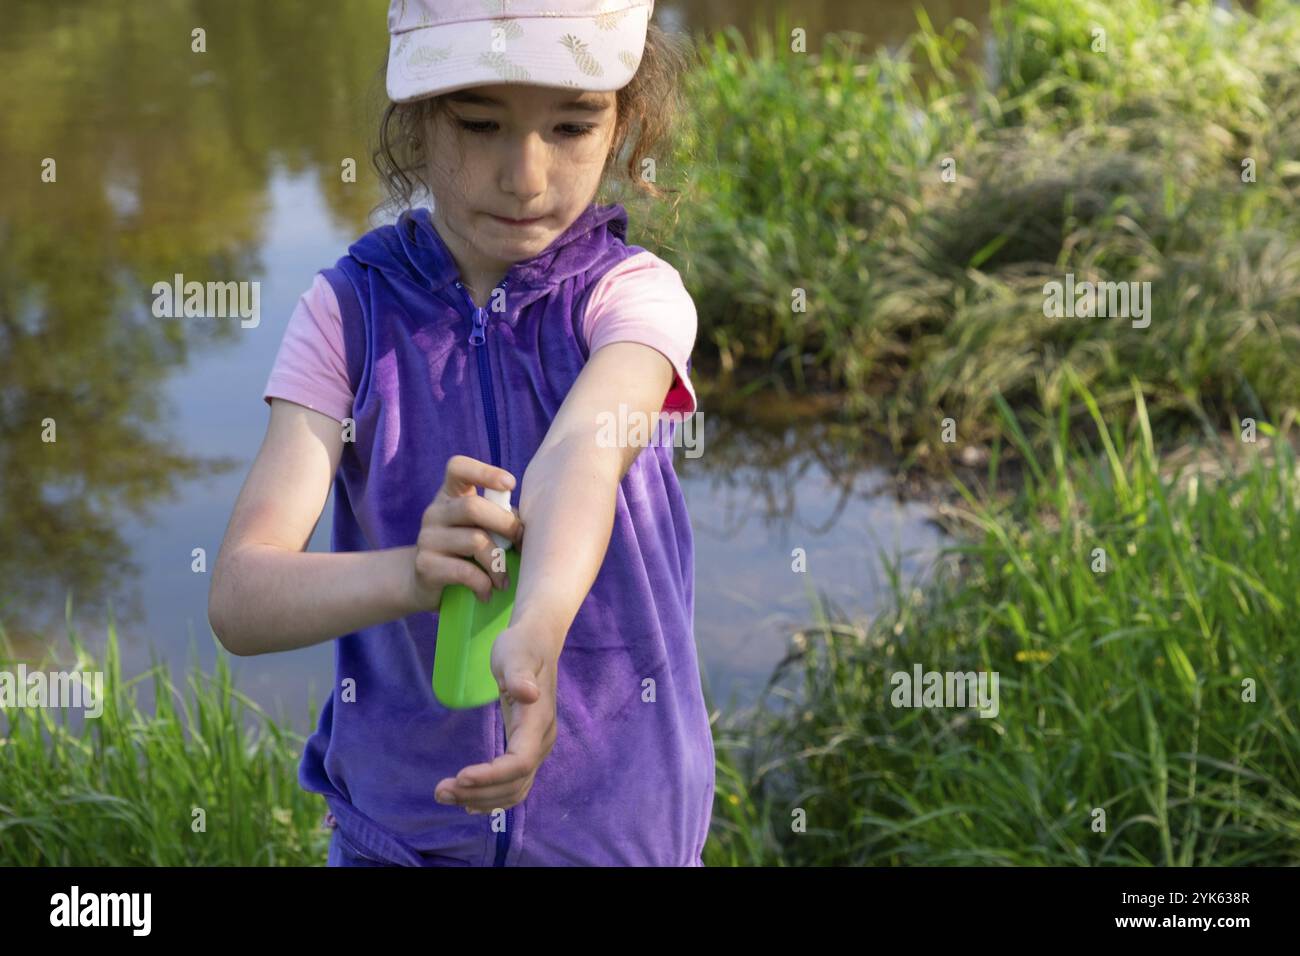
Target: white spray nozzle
<point>502,500</point>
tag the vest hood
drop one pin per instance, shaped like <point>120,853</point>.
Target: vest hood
<point>412,248</point>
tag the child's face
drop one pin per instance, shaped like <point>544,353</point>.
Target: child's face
<point>529,153</point>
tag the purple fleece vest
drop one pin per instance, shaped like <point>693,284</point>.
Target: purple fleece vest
<point>630,779</point>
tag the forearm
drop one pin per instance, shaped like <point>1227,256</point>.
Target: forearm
<point>566,505</point>
<point>267,599</point>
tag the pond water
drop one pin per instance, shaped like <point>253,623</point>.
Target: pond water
<point>225,165</point>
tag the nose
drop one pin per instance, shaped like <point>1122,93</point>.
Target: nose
<point>524,173</point>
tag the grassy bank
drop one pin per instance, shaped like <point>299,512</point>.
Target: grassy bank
<point>1123,689</point>
<point>122,789</point>
<point>1126,689</point>
<point>924,297</point>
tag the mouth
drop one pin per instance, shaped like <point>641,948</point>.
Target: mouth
<point>517,222</point>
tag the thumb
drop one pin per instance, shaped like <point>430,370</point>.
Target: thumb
<point>520,681</point>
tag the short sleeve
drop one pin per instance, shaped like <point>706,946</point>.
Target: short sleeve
<point>643,299</point>
<point>310,367</point>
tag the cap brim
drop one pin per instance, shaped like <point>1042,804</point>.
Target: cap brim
<point>581,52</point>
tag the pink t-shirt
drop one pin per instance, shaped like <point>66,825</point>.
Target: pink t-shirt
<point>642,299</point>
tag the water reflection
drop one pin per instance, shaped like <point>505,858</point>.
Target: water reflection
<point>127,158</point>
<point>788,515</point>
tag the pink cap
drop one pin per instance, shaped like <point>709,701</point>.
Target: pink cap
<point>442,45</point>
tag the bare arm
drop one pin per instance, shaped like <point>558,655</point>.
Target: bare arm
<point>571,486</point>
<point>566,503</point>
<point>267,593</point>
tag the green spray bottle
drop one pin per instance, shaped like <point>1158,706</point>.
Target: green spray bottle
<point>467,629</point>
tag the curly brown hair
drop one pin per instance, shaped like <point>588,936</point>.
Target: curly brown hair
<point>647,110</point>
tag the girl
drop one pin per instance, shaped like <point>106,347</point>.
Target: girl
<point>483,343</point>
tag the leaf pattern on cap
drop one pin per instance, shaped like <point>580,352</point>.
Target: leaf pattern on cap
<point>427,56</point>
<point>510,28</point>
<point>609,21</point>
<point>628,59</point>
<point>510,72</point>
<point>581,55</point>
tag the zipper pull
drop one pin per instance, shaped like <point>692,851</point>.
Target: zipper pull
<point>476,336</point>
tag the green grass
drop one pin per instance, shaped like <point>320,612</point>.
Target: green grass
<point>1120,690</point>
<point>925,297</point>
<point>122,789</point>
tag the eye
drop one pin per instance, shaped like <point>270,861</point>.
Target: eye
<point>568,130</point>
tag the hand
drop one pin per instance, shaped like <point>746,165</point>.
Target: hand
<point>524,663</point>
<point>455,527</point>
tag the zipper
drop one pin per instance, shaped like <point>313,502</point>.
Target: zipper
<point>503,838</point>
<point>478,339</point>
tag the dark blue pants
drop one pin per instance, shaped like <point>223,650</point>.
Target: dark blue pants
<point>345,852</point>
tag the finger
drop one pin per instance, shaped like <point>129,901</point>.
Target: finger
<point>493,560</point>
<point>480,808</point>
<point>464,475</point>
<point>454,570</point>
<point>508,525</point>
<point>477,511</point>
<point>487,799</point>
<point>469,542</point>
<point>521,684</point>
<point>463,795</point>
<point>508,768</point>
<point>527,729</point>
